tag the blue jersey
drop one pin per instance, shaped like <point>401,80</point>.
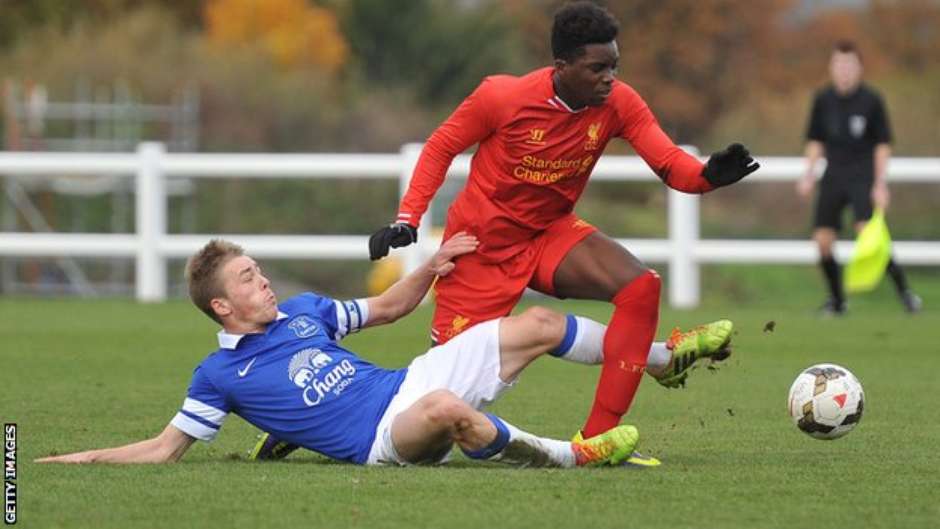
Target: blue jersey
<point>295,381</point>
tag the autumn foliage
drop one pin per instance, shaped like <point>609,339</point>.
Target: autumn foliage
<point>293,32</point>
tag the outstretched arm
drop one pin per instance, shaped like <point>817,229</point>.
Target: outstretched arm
<point>471,123</point>
<point>402,297</point>
<point>168,447</point>
<point>675,167</point>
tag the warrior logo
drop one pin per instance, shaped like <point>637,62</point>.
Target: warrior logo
<point>311,370</point>
<point>536,137</point>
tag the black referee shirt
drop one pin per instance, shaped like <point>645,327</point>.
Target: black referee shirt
<point>849,127</point>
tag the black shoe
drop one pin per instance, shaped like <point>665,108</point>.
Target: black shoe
<point>912,302</point>
<point>833,307</point>
<point>270,448</point>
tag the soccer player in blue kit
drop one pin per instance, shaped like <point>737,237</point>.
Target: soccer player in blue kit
<point>282,369</point>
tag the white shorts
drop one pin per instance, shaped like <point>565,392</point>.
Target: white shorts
<point>467,365</point>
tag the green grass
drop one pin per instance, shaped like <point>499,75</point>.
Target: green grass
<point>86,374</point>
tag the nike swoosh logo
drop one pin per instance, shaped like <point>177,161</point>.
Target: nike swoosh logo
<point>243,372</point>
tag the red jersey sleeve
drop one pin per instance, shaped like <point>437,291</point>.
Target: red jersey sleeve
<point>675,167</point>
<point>472,122</point>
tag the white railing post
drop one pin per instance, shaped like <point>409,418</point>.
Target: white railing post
<point>684,287</point>
<point>151,222</point>
<point>413,255</point>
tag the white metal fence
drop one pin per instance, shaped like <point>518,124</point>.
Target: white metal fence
<point>151,245</point>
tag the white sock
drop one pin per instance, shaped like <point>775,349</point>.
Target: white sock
<point>527,450</point>
<point>519,448</point>
<point>659,357</point>
<point>584,344</point>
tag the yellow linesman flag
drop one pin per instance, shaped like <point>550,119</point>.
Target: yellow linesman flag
<point>870,257</point>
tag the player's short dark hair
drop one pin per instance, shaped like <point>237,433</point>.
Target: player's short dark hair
<point>847,46</point>
<point>578,24</point>
<point>202,273</point>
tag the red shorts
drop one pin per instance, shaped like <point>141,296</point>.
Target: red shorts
<point>478,289</point>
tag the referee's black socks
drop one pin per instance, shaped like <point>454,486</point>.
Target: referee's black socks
<point>833,278</point>
<point>897,275</point>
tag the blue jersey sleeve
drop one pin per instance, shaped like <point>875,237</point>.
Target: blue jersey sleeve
<point>203,410</point>
<point>340,318</point>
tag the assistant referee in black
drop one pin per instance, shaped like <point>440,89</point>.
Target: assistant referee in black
<point>848,125</point>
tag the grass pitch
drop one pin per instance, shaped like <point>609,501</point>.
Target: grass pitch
<point>89,374</point>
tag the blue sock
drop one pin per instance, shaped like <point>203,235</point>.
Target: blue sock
<point>571,331</point>
<point>497,445</point>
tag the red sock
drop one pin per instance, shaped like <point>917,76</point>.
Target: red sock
<point>626,346</point>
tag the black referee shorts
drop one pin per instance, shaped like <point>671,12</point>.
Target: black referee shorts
<point>835,194</point>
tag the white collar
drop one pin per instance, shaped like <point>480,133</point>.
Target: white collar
<point>230,341</point>
<point>556,100</point>
<point>560,104</point>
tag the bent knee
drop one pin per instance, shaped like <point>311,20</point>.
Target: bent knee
<point>443,407</point>
<point>543,317</point>
<point>646,286</point>
<point>544,326</point>
<point>640,298</point>
<point>825,236</point>
<point>651,280</point>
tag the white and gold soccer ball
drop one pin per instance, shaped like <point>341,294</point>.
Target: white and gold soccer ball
<point>826,401</point>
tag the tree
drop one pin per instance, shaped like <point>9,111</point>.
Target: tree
<point>909,32</point>
<point>442,49</point>
<point>21,17</point>
<point>692,59</point>
<point>293,32</point>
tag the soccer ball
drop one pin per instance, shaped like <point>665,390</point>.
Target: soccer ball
<point>826,401</point>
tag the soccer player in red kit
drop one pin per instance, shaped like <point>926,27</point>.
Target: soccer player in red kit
<point>539,137</point>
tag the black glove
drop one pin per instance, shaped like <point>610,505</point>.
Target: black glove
<point>394,235</point>
<point>728,166</point>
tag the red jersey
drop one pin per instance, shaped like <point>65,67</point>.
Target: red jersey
<point>534,158</point>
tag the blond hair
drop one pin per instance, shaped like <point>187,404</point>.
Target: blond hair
<point>202,273</point>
